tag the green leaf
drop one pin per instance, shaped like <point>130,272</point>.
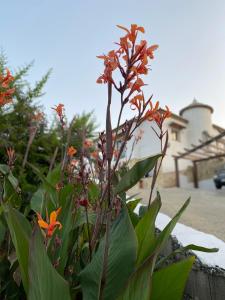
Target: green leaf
<point>48,184</point>
<point>183,249</point>
<point>145,231</point>
<point>137,172</point>
<point>93,192</point>
<point>164,235</point>
<point>131,206</point>
<point>149,246</point>
<point>45,282</point>
<point>139,284</point>
<point>66,218</point>
<point>37,200</point>
<point>81,218</point>
<point>53,177</point>
<point>169,283</point>
<point>199,248</point>
<point>133,203</point>
<point>20,231</point>
<point>11,195</point>
<point>4,169</point>
<point>121,261</point>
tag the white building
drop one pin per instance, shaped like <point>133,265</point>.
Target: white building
<point>190,128</point>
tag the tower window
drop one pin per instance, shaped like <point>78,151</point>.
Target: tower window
<point>175,135</point>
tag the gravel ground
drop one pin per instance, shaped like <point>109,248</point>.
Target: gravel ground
<point>206,211</point>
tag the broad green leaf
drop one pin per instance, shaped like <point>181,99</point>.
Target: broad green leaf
<point>133,203</point>
<point>138,285</point>
<point>145,231</point>
<point>164,235</point>
<point>20,231</point>
<point>81,218</point>
<point>37,200</point>
<point>11,195</point>
<point>93,192</point>
<point>169,283</point>
<point>53,177</point>
<point>121,261</point>
<point>47,185</point>
<point>131,206</point>
<point>66,218</point>
<point>137,172</point>
<point>13,180</point>
<point>4,169</point>
<point>45,282</point>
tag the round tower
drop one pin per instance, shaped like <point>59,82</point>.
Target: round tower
<point>199,125</point>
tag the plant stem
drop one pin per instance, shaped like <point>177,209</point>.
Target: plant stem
<point>89,235</point>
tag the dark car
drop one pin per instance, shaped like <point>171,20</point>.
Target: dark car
<point>219,178</point>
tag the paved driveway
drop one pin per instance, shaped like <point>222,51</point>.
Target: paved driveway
<point>206,211</point>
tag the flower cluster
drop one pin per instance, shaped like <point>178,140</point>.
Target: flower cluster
<point>131,59</point>
<point>6,92</point>
<point>136,57</point>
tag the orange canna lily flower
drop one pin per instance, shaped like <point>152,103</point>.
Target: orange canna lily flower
<point>136,101</point>
<point>151,114</point>
<point>59,109</point>
<point>160,116</point>
<point>50,228</point>
<point>88,144</point>
<point>137,85</point>
<point>132,33</point>
<point>71,151</point>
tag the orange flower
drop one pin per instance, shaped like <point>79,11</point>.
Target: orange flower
<point>150,51</point>
<point>160,116</point>
<point>152,112</point>
<point>50,228</point>
<point>136,102</point>
<point>95,154</point>
<point>7,79</point>
<point>71,151</point>
<point>88,144</point>
<point>37,117</point>
<point>136,86</point>
<point>59,109</point>
<point>111,63</point>
<point>6,92</point>
<point>132,33</point>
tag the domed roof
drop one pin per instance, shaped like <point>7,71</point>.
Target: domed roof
<point>195,104</point>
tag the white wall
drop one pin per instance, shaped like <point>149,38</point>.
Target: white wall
<point>199,120</point>
<point>149,143</point>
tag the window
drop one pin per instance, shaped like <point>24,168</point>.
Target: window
<point>175,134</point>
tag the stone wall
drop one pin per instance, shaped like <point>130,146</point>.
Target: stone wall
<point>205,282</point>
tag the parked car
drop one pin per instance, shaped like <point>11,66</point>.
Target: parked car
<point>219,178</point>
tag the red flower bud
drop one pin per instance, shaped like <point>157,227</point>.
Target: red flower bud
<point>83,202</point>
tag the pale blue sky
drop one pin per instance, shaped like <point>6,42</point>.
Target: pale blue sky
<point>67,35</point>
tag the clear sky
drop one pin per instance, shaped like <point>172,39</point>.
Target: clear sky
<point>66,35</point>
